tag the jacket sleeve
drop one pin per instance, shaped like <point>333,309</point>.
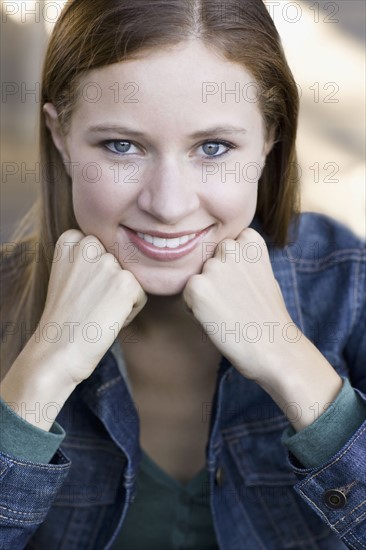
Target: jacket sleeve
<point>32,471</point>
<point>24,440</point>
<point>319,441</point>
<point>336,489</point>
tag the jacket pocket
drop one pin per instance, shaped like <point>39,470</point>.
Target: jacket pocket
<point>278,513</point>
<point>90,501</point>
<point>95,473</point>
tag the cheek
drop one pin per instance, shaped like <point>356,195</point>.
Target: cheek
<point>234,200</point>
<point>93,198</point>
<point>236,186</point>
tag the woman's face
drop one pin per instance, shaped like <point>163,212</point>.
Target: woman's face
<point>144,154</point>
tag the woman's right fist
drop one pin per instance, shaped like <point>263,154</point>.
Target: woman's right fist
<point>90,298</point>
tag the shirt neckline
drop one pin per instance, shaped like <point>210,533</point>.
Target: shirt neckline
<point>150,467</point>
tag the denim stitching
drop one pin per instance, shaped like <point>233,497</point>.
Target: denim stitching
<point>108,384</point>
<point>42,466</point>
<point>331,260</point>
<point>310,536</point>
<point>357,540</point>
<point>341,519</point>
<point>350,512</point>
<point>273,424</point>
<point>272,522</point>
<point>22,513</point>
<point>303,483</point>
<point>5,468</point>
<point>349,542</point>
<point>319,510</point>
<point>19,520</point>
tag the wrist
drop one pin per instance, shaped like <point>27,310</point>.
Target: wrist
<point>303,384</point>
<point>34,389</point>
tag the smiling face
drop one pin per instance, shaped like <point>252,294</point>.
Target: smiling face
<point>144,154</point>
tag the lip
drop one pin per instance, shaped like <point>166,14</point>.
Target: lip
<point>163,235</point>
<point>165,254</point>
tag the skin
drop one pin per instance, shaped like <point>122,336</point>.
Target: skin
<point>170,195</point>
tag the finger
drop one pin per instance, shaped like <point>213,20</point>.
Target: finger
<point>251,235</point>
<point>247,244</point>
<point>139,300</point>
<point>135,310</point>
<point>67,243</point>
<point>192,289</point>
<point>253,246</point>
<point>71,236</point>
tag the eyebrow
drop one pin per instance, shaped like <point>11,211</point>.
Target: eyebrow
<point>227,130</point>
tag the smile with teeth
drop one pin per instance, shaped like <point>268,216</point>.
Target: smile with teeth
<point>166,243</point>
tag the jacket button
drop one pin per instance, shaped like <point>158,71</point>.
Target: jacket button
<point>133,497</point>
<point>219,476</point>
<point>335,499</point>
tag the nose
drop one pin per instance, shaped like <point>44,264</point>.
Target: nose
<point>169,193</point>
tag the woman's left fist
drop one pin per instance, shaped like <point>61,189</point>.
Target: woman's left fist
<point>239,304</point>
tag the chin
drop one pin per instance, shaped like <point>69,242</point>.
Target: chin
<point>162,285</point>
<point>163,292</point>
<point>159,288</point>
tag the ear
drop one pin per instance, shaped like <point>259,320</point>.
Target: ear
<point>58,138</point>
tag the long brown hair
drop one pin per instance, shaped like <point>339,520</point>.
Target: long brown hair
<point>89,35</point>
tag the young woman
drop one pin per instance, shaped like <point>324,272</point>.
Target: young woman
<point>183,353</point>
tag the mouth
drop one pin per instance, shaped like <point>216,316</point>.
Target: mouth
<point>162,248</point>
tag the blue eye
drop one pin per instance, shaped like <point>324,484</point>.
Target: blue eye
<point>120,147</point>
<point>123,146</point>
<point>214,146</point>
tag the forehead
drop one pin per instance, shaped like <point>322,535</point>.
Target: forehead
<point>188,82</point>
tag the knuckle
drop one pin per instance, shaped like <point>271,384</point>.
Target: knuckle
<point>254,236</point>
<point>225,245</point>
<point>108,259</point>
<point>194,284</point>
<point>71,235</point>
<point>128,277</point>
<point>87,239</point>
<point>212,265</point>
<point>140,299</point>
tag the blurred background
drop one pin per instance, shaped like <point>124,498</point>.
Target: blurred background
<point>324,43</point>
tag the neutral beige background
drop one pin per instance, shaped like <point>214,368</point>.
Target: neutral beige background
<point>325,50</point>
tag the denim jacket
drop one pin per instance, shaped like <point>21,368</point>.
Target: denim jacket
<point>261,496</point>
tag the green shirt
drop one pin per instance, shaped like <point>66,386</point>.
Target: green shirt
<point>175,516</point>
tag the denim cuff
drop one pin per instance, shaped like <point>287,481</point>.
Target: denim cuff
<point>318,442</point>
<point>23,440</point>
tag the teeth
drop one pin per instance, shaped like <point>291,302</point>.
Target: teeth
<point>173,243</point>
<point>181,240</point>
<point>166,243</point>
<point>160,243</point>
<point>147,238</point>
